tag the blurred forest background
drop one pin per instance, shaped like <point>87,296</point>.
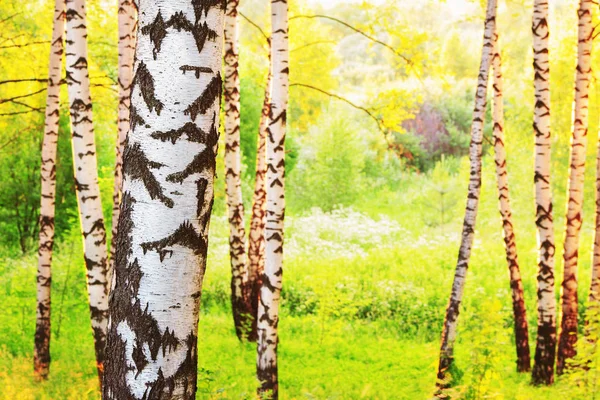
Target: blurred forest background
<point>373,221</point>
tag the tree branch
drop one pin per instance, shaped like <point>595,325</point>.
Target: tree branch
<point>2,101</point>
<point>313,44</point>
<point>397,148</point>
<point>360,32</point>
<point>22,80</point>
<point>24,45</point>
<point>254,24</point>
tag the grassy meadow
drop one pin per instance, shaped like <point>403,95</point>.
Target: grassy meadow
<point>365,290</point>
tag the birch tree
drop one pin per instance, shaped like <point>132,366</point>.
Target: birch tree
<point>233,169</point>
<point>594,296</point>
<point>468,232</point>
<point>516,284</point>
<point>127,23</point>
<point>256,237</point>
<point>41,355</point>
<point>270,294</point>
<point>545,352</point>
<point>568,333</point>
<point>168,186</point>
<point>86,173</point>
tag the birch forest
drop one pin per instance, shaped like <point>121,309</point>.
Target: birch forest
<point>317,199</point>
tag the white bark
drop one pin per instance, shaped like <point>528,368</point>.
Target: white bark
<point>468,233</point>
<point>233,171</point>
<point>569,324</point>
<point>86,173</point>
<point>168,169</point>
<point>41,355</point>
<point>127,37</point>
<point>268,308</point>
<point>543,370</point>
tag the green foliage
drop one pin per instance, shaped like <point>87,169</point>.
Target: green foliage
<point>331,163</point>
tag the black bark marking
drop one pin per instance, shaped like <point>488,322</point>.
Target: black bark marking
<point>137,166</point>
<point>135,119</point>
<point>197,70</point>
<point>194,134</point>
<point>203,6</point>
<point>206,99</point>
<point>185,236</point>
<point>157,31</point>
<point>144,79</point>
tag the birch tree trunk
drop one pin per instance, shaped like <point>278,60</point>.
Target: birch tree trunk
<point>168,186</point>
<point>41,355</point>
<point>242,316</point>
<point>268,308</point>
<point>256,237</point>
<point>127,24</point>
<point>86,173</point>
<point>568,333</point>
<point>594,297</point>
<point>452,312</point>
<point>516,284</point>
<point>545,352</point>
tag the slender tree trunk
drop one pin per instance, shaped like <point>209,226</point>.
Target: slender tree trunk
<point>450,322</point>
<point>594,297</point>
<point>86,173</point>
<point>41,355</point>
<point>168,186</point>
<point>568,333</point>
<point>127,24</point>
<point>545,352</point>
<point>268,308</point>
<point>242,316</point>
<point>256,237</point>
<point>516,285</point>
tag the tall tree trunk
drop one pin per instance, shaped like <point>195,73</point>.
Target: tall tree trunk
<point>594,296</point>
<point>468,232</point>
<point>256,237</point>
<point>127,23</point>
<point>41,355</point>
<point>268,308</point>
<point>516,285</point>
<point>86,173</point>
<point>168,186</point>
<point>242,316</point>
<point>545,352</point>
<point>568,333</point>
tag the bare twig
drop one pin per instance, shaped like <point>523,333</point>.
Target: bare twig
<point>24,44</point>
<point>397,148</point>
<point>254,24</point>
<point>2,101</point>
<point>9,17</point>
<point>313,44</point>
<point>22,80</point>
<point>360,32</point>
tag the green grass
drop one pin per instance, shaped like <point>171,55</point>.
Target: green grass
<point>363,304</point>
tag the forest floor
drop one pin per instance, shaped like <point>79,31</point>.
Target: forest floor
<point>361,318</point>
